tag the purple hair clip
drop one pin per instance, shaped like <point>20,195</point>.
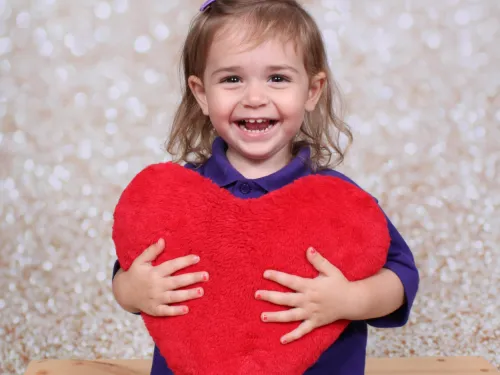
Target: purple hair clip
<point>205,5</point>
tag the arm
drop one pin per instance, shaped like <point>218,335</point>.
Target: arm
<point>389,294</point>
<point>377,296</point>
<point>382,300</point>
<point>120,289</point>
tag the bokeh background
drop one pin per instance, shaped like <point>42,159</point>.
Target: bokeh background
<point>87,92</point>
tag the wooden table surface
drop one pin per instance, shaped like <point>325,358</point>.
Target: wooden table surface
<point>375,366</point>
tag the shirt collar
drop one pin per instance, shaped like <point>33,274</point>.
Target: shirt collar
<point>220,171</point>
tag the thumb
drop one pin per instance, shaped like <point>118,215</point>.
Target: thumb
<point>152,252</point>
<point>319,262</point>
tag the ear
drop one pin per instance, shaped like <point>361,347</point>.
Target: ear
<point>198,90</point>
<point>315,90</point>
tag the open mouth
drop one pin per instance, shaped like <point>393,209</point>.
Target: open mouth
<point>256,125</point>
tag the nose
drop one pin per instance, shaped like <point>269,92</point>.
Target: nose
<point>255,95</point>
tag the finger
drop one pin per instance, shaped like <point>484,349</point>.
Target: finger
<point>164,310</point>
<point>182,295</point>
<point>278,298</point>
<point>290,281</point>
<point>181,281</point>
<point>302,330</point>
<point>172,266</point>
<point>319,262</point>
<point>152,252</point>
<point>292,315</point>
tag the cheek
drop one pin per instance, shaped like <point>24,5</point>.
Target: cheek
<point>294,106</point>
<point>220,103</point>
<point>295,98</point>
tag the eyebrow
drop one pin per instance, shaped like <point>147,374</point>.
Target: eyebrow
<point>231,69</point>
<point>283,67</point>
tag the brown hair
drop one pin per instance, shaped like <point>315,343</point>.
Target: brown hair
<point>192,133</point>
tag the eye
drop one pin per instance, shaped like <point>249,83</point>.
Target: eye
<point>278,78</point>
<point>231,79</point>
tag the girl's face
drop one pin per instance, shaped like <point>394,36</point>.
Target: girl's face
<point>256,98</point>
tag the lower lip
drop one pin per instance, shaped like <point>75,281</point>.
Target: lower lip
<point>259,134</point>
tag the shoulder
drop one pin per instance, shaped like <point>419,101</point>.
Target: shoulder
<point>200,168</point>
<point>334,173</point>
<point>192,166</point>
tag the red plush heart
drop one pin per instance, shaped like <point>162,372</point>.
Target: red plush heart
<point>237,240</point>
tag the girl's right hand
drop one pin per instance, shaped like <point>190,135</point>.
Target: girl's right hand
<point>151,289</point>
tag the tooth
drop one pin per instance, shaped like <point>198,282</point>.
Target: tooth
<point>259,121</point>
<point>251,121</point>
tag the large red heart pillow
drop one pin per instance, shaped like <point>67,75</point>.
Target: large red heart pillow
<point>237,240</point>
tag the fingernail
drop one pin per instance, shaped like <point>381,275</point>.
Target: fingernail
<point>185,310</point>
<point>264,318</point>
<point>205,277</point>
<point>267,274</point>
<point>196,258</point>
<point>200,292</point>
<point>284,341</point>
<point>258,296</point>
<point>160,242</point>
<point>312,250</point>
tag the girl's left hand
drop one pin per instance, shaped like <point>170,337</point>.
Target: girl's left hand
<point>316,302</point>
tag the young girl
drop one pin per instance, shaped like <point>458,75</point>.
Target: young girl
<point>256,115</point>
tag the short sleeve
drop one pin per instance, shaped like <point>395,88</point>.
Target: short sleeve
<point>116,268</point>
<point>399,260</point>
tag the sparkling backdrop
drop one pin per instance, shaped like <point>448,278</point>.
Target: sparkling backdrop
<point>87,91</point>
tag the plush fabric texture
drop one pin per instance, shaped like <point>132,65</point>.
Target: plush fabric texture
<point>237,240</point>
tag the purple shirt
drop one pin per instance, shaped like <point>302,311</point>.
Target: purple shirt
<point>347,355</point>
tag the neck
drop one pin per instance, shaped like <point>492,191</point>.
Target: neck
<point>253,169</point>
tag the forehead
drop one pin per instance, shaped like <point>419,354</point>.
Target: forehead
<point>232,42</point>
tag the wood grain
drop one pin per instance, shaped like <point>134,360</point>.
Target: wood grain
<point>375,366</point>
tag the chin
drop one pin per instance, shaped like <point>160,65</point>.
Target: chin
<point>260,155</point>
